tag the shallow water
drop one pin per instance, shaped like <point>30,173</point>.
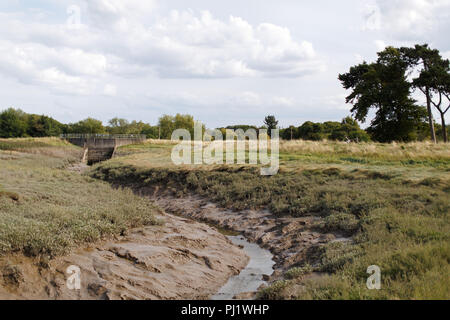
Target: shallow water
<point>250,278</point>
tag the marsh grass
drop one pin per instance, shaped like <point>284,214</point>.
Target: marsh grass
<point>46,210</point>
<point>391,199</point>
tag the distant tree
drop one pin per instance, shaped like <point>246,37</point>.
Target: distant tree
<point>433,80</point>
<point>88,125</point>
<point>118,126</point>
<point>13,123</point>
<point>289,133</point>
<point>271,123</point>
<point>311,131</point>
<point>349,130</point>
<point>43,126</point>
<point>123,126</point>
<point>167,124</point>
<point>135,127</point>
<point>184,121</point>
<point>244,127</point>
<point>329,127</point>
<point>151,132</point>
<point>383,86</point>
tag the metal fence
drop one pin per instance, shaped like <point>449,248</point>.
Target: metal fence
<point>102,136</point>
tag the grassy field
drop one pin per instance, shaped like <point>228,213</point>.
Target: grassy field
<point>46,210</point>
<point>392,199</point>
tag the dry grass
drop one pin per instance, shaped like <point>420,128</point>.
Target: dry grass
<point>381,151</point>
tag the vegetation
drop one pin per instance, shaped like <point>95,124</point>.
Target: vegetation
<point>46,210</point>
<point>168,124</point>
<point>88,125</point>
<point>347,130</point>
<point>433,80</point>
<point>384,86</point>
<point>16,123</point>
<point>123,126</point>
<point>392,200</point>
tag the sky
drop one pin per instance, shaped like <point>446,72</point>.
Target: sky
<point>225,62</point>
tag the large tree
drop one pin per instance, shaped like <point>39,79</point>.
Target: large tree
<point>383,87</point>
<point>433,80</point>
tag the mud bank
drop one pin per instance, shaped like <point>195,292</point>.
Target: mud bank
<point>292,241</point>
<point>182,259</point>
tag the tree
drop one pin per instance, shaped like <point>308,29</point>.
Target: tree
<point>433,80</point>
<point>118,126</point>
<point>167,124</point>
<point>87,126</point>
<point>152,132</point>
<point>271,123</point>
<point>383,86</point>
<point>439,79</point>
<point>43,126</point>
<point>349,130</point>
<point>311,131</point>
<point>184,121</point>
<point>13,123</point>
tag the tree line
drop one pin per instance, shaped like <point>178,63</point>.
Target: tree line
<point>14,123</point>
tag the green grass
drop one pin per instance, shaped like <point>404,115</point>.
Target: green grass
<point>46,210</point>
<point>392,200</point>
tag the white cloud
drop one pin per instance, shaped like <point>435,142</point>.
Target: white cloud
<point>407,19</point>
<point>117,38</point>
<point>36,64</point>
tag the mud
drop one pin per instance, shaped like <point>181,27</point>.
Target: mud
<point>182,259</point>
<point>292,241</point>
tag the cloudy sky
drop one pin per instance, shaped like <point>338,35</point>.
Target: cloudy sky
<point>225,62</point>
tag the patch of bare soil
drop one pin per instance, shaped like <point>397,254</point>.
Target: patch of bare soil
<point>182,259</point>
<point>292,241</point>
<point>78,167</point>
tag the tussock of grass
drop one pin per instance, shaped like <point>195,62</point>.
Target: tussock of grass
<point>298,272</point>
<point>274,291</point>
